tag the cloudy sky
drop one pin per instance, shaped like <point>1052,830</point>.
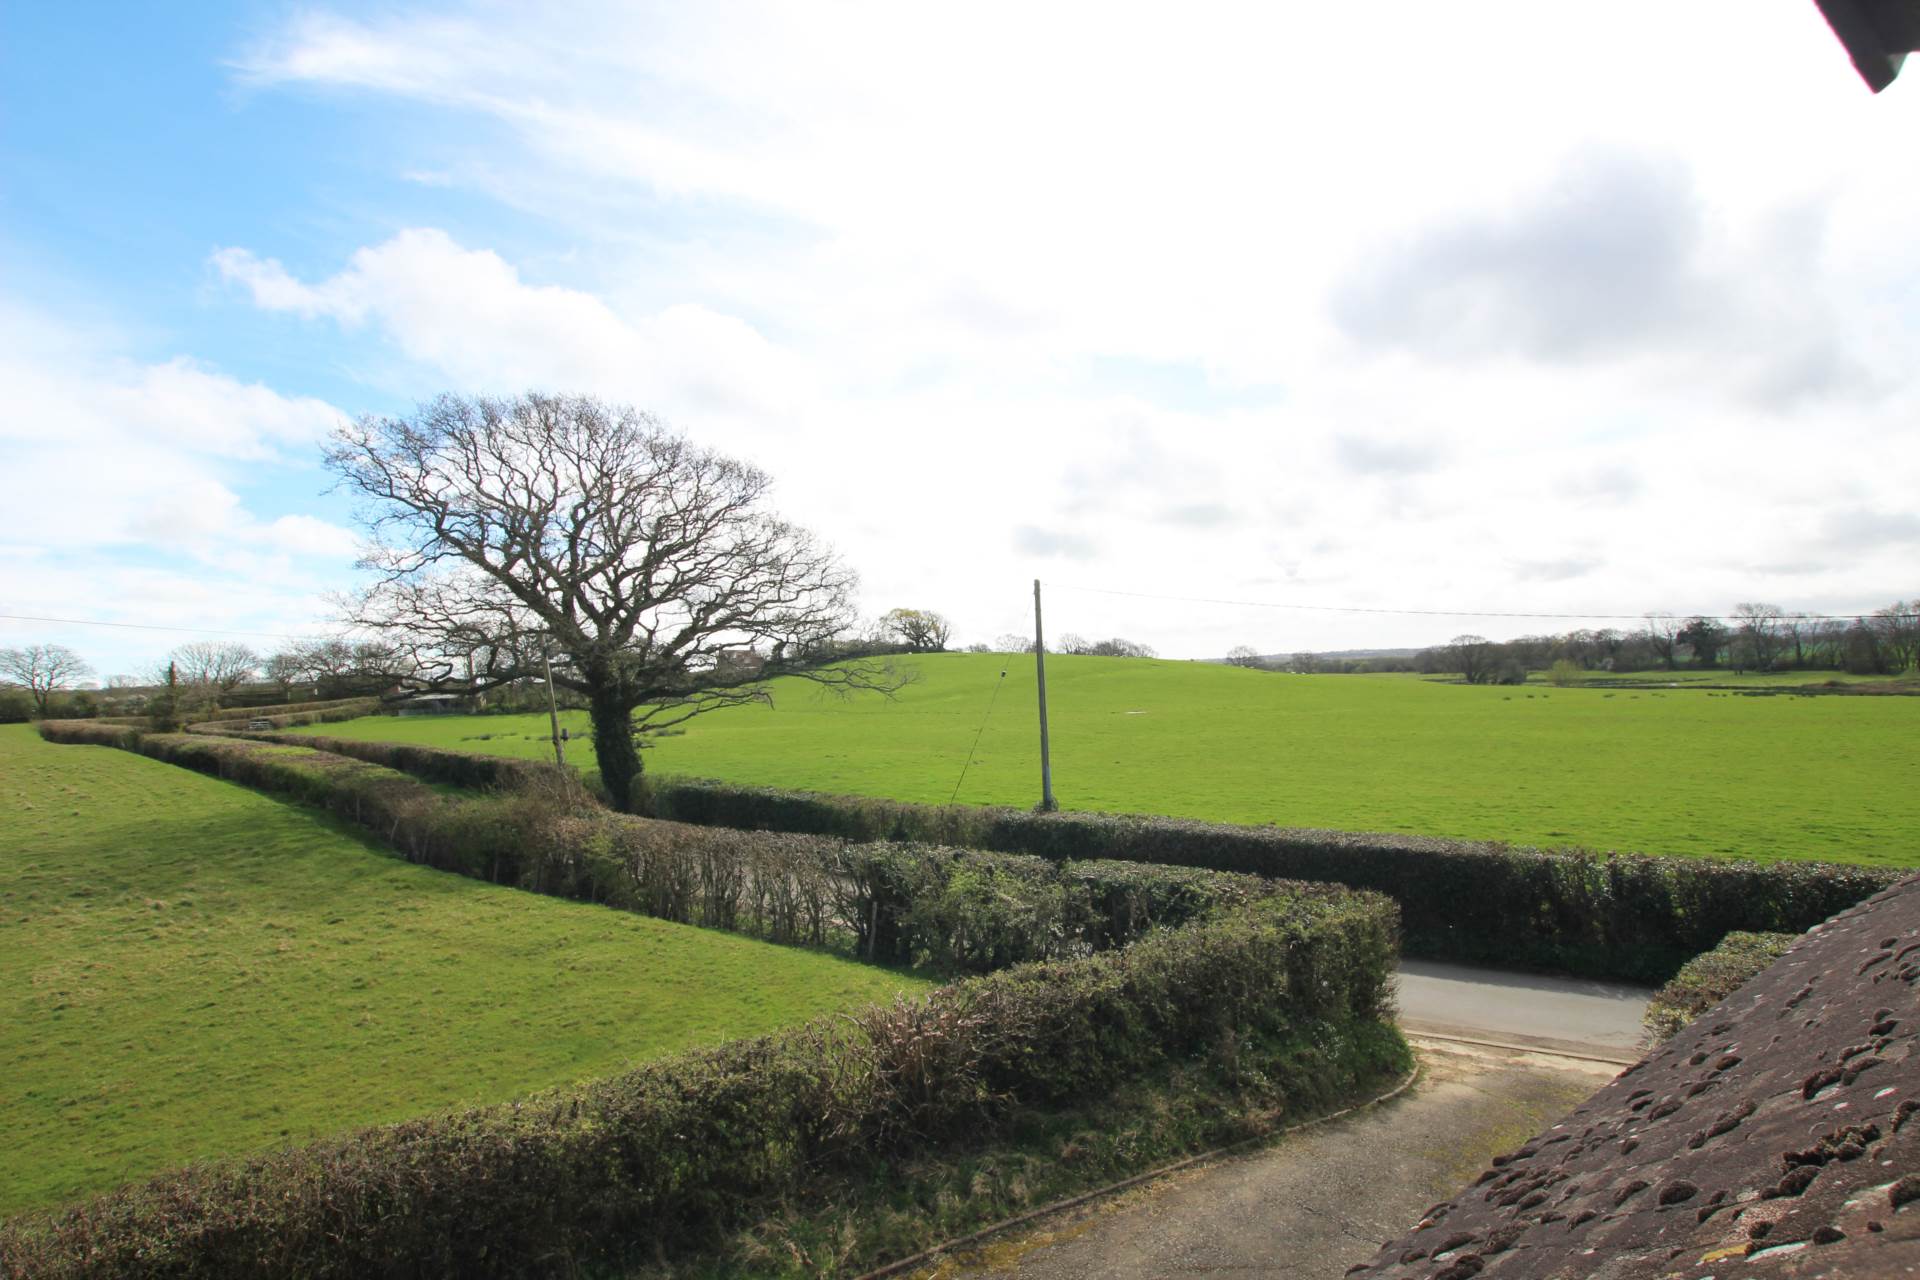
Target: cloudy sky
<point>1496,308</point>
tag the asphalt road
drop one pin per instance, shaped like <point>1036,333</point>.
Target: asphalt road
<point>1571,1015</point>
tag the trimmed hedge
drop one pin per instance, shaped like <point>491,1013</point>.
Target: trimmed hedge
<point>1709,978</point>
<point>661,1158</point>
<point>435,764</point>
<point>351,708</point>
<point>1625,916</point>
<point>954,910</point>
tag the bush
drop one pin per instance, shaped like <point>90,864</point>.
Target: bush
<point>456,768</point>
<point>664,1157</point>
<point>1711,977</point>
<point>1625,916</point>
<point>953,910</point>
<point>346,709</point>
<point>16,706</point>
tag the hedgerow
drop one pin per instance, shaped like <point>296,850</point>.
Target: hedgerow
<point>435,764</point>
<point>1616,915</point>
<point>1709,978</point>
<point>1626,916</point>
<point>236,719</point>
<point>341,709</point>
<point>659,1159</point>
<point>953,910</point>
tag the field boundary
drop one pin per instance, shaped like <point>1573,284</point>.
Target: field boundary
<point>1623,916</point>
<point>665,1155</point>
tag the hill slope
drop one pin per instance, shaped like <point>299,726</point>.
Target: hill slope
<point>189,969</point>
<point>1685,771</point>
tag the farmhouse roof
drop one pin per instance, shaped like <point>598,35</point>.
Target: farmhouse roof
<point>1878,34</point>
<point>1777,1135</point>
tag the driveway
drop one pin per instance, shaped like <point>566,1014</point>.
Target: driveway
<point>1502,1056</point>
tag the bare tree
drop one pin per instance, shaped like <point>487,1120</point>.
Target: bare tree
<point>1897,627</point>
<point>285,669</point>
<point>1757,633</point>
<point>1663,637</point>
<point>1243,655</point>
<point>42,669</point>
<point>212,669</point>
<point>1472,656</point>
<point>644,565</point>
<point>1008,642</point>
<point>921,630</point>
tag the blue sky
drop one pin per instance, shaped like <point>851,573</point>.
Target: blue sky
<point>1379,310</point>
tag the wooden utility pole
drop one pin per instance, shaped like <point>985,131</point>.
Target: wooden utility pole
<point>553,711</point>
<point>1047,804</point>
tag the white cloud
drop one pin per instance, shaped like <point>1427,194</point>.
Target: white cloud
<point>124,495</point>
<point>1449,322</point>
<point>467,314</point>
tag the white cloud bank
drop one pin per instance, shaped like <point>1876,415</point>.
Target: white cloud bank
<point>124,502</point>
<point>1378,306</point>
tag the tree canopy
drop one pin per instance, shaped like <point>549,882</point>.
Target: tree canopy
<point>649,570</point>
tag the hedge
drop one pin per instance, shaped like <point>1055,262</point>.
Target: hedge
<point>1624,916</point>
<point>1632,917</point>
<point>660,1158</point>
<point>435,764</point>
<point>954,910</point>
<point>234,719</point>
<point>351,708</point>
<point>1709,978</point>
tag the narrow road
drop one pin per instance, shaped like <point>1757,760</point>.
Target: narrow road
<point>1502,1056</point>
<point>1566,1015</point>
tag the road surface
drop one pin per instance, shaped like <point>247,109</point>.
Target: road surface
<point>1569,1015</point>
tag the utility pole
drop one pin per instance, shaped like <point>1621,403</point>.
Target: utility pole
<point>553,710</point>
<point>1047,803</point>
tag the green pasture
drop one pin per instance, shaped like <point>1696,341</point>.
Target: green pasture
<point>1661,770</point>
<point>189,969</point>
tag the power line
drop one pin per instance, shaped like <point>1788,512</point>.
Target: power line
<point>149,626</point>
<point>1439,613</point>
<point>976,737</point>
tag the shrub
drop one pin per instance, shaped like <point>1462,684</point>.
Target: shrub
<point>456,768</point>
<point>665,1156</point>
<point>1711,977</point>
<point>954,910</point>
<point>1626,916</point>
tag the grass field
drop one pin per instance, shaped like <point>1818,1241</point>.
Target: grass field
<point>1681,770</point>
<point>189,969</point>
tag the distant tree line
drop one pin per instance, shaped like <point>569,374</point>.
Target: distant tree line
<point>1756,637</point>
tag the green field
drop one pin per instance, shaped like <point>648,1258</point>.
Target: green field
<point>1681,770</point>
<point>189,969</point>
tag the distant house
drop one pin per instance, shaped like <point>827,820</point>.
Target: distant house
<point>738,664</point>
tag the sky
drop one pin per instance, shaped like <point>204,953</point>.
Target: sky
<point>1299,327</point>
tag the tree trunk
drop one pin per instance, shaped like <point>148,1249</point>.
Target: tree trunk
<point>613,744</point>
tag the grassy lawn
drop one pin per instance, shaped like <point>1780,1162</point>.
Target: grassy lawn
<point>1682,771</point>
<point>189,969</point>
